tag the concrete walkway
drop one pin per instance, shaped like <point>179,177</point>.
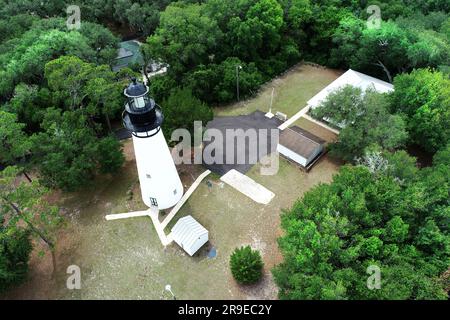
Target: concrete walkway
<point>294,118</point>
<point>303,114</point>
<point>135,214</point>
<point>248,187</point>
<point>185,197</point>
<point>153,213</point>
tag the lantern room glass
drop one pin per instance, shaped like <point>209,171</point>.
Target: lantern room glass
<point>138,103</point>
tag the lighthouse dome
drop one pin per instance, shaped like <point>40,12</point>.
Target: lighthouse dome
<point>141,113</point>
<point>136,89</point>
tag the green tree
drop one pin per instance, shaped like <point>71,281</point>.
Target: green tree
<point>96,90</point>
<point>15,249</point>
<point>27,62</point>
<point>259,28</point>
<point>68,153</point>
<point>24,207</point>
<point>181,109</point>
<point>24,59</point>
<point>423,96</point>
<point>442,157</point>
<point>143,18</point>
<point>161,86</point>
<point>392,49</point>
<point>14,144</point>
<point>185,38</point>
<point>402,166</point>
<point>365,121</point>
<point>364,218</point>
<point>28,103</point>
<point>296,13</point>
<point>246,265</point>
<point>359,47</point>
<point>217,83</point>
<point>321,30</point>
<point>15,26</point>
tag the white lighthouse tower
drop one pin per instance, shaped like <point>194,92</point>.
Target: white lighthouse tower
<point>161,186</point>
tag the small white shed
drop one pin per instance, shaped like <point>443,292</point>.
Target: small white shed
<point>189,234</point>
<point>300,145</point>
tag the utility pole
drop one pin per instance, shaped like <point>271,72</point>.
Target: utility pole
<point>271,100</point>
<point>238,67</point>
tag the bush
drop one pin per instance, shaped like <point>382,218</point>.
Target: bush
<point>246,265</point>
<point>15,249</point>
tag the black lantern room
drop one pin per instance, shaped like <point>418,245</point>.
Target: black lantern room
<point>141,114</point>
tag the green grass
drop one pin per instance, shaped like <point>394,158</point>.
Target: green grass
<point>316,129</point>
<point>292,91</point>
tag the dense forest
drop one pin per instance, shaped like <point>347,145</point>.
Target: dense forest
<point>59,97</point>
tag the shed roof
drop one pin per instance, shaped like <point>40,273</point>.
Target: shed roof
<point>354,78</point>
<point>300,141</point>
<point>186,231</point>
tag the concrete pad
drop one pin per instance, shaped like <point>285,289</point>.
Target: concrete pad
<point>248,187</point>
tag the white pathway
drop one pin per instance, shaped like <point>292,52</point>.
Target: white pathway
<point>185,197</point>
<point>303,114</point>
<point>294,118</point>
<point>247,186</point>
<point>153,213</point>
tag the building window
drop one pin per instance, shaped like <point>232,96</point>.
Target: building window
<point>148,176</point>
<point>154,202</point>
<point>174,192</point>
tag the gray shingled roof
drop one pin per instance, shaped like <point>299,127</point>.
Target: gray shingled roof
<point>300,141</point>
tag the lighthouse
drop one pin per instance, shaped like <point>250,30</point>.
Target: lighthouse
<point>161,186</point>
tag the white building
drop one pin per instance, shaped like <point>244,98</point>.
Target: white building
<point>300,146</point>
<point>189,234</point>
<point>353,78</point>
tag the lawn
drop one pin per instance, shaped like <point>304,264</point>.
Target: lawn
<point>292,91</point>
<point>124,259</point>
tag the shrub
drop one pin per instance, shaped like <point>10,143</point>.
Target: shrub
<point>15,249</point>
<point>246,265</point>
